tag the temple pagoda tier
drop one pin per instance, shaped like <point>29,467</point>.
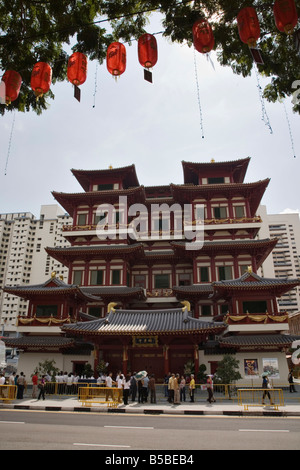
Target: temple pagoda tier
<point>143,292</point>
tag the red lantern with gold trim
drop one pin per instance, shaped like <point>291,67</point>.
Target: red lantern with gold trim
<point>13,81</point>
<point>116,58</point>
<point>285,14</point>
<point>248,26</point>
<point>147,50</point>
<point>77,68</point>
<point>41,77</point>
<point>203,37</point>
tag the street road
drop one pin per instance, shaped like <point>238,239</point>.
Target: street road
<point>28,430</point>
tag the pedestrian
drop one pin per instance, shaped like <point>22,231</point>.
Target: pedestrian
<point>152,388</point>
<point>192,387</point>
<point>171,388</point>
<point>145,388</point>
<point>291,382</point>
<point>166,384</point>
<point>41,387</point>
<point>69,383</point>
<point>21,383</point>
<point>266,386</point>
<point>126,389</point>
<point>133,387</point>
<point>108,384</point>
<point>12,378</point>
<point>176,389</point>
<point>209,387</point>
<point>140,391</point>
<point>182,388</point>
<point>34,385</point>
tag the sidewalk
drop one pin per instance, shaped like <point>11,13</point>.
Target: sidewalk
<point>222,407</point>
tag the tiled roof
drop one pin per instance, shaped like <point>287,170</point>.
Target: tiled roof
<point>52,287</point>
<point>260,340</point>
<point>120,291</point>
<point>127,322</point>
<point>39,342</point>
<point>251,281</point>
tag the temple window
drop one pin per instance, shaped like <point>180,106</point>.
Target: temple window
<point>257,306</point>
<point>105,187</point>
<point>46,310</point>
<point>81,219</point>
<point>220,212</point>
<point>184,280</point>
<point>225,273</point>
<point>77,278</point>
<point>216,180</point>
<point>116,277</point>
<point>140,280</point>
<point>161,281</point>
<point>204,274</point>
<point>239,211</point>
<point>97,277</point>
<point>95,311</point>
<point>205,310</point>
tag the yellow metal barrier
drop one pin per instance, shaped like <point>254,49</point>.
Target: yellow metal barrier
<point>106,395</point>
<point>260,396</point>
<point>8,392</point>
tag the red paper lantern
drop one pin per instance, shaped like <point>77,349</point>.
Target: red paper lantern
<point>77,68</point>
<point>116,58</point>
<point>248,26</point>
<point>147,50</point>
<point>13,81</point>
<point>203,36</point>
<point>286,16</point>
<point>41,77</point>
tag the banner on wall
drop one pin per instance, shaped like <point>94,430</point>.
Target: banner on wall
<point>270,365</point>
<point>251,368</point>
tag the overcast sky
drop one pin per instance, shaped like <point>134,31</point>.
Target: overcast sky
<point>155,126</point>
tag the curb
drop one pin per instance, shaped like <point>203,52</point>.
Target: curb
<point>144,411</point>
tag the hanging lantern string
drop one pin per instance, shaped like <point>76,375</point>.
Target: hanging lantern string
<point>95,89</point>
<point>265,117</point>
<point>198,92</point>
<point>9,143</point>
<point>289,127</point>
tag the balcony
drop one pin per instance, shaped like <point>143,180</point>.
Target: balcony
<point>257,321</point>
<point>122,229</point>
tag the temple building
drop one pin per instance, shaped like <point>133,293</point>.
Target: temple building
<point>160,276</point>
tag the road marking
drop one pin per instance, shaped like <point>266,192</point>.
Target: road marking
<point>130,427</point>
<point>264,430</point>
<point>13,422</point>
<point>98,445</point>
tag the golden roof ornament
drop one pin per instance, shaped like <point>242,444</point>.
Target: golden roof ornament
<point>53,274</point>
<point>110,307</point>
<point>187,305</point>
<point>249,270</point>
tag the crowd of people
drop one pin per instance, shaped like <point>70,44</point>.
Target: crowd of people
<point>143,389</point>
<point>136,388</point>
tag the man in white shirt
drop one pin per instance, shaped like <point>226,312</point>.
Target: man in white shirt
<point>109,383</point>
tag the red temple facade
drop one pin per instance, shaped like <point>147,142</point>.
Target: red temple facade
<point>160,276</point>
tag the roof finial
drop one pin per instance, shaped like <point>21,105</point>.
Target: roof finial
<point>249,270</point>
<point>187,305</point>
<point>110,307</point>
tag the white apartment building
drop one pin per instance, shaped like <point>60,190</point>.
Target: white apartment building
<point>284,262</point>
<point>23,259</point>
